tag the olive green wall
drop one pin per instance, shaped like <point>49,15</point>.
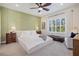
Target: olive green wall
<point>21,21</point>
<point>0,24</point>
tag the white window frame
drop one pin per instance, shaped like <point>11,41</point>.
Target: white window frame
<point>54,18</point>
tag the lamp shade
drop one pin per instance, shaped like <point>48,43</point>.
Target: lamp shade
<point>13,28</point>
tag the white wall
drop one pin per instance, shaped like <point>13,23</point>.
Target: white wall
<point>76,19</point>
<point>72,20</point>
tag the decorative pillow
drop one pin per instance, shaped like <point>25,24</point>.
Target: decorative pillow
<point>73,35</point>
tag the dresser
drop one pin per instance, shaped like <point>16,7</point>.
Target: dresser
<point>76,46</point>
<point>10,37</point>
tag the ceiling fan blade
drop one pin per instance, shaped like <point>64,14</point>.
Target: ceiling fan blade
<point>40,4</point>
<point>46,9</point>
<point>37,4</point>
<point>46,4</point>
<point>34,7</point>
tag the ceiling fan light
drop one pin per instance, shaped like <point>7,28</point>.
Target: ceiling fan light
<point>61,4</point>
<point>40,9</point>
<point>17,5</point>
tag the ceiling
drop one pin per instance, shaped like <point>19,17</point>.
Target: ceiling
<point>25,7</point>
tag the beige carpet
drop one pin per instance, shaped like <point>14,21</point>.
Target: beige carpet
<point>54,49</point>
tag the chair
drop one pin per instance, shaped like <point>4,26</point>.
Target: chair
<point>69,42</point>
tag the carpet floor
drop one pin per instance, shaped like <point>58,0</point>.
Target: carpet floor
<point>54,49</point>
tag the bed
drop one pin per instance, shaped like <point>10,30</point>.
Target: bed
<point>31,41</point>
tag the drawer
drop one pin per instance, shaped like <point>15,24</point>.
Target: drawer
<point>13,40</point>
<point>76,43</point>
<point>14,35</point>
<point>8,37</point>
<point>8,41</point>
<point>76,52</point>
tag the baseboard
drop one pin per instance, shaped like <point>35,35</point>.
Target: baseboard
<point>0,42</point>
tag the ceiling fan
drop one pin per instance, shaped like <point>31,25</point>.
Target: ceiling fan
<point>41,6</point>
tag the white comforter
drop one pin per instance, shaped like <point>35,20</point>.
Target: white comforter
<point>30,40</point>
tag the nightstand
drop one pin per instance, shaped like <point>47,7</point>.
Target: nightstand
<point>10,37</point>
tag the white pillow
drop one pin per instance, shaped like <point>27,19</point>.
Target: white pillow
<point>19,33</point>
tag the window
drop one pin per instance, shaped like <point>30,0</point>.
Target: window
<point>62,25</point>
<point>57,25</point>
